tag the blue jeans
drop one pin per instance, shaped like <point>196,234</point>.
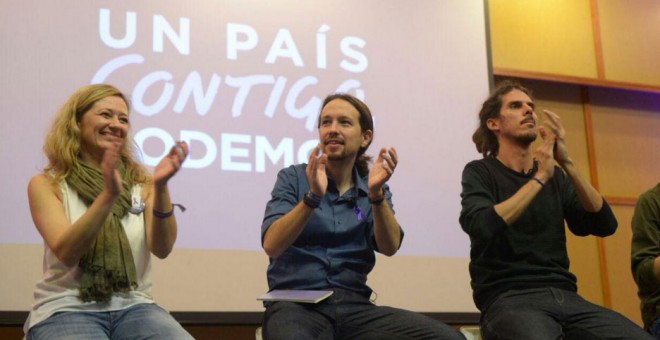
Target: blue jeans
<point>143,321</point>
<point>551,313</point>
<point>348,315</point>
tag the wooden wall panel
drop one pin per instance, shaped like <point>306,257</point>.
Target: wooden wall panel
<point>630,35</point>
<point>627,140</point>
<point>543,36</point>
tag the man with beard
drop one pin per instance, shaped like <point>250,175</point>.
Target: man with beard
<point>321,227</point>
<point>514,204</point>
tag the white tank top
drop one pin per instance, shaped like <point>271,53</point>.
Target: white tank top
<point>57,291</point>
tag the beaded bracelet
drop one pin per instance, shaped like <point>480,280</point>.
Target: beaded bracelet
<point>167,214</point>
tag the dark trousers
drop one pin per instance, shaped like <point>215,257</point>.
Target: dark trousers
<point>347,315</point>
<point>551,313</point>
<point>655,328</point>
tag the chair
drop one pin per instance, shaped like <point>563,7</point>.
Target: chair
<point>471,332</point>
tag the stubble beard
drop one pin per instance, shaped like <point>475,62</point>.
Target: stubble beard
<point>337,157</point>
<point>526,138</point>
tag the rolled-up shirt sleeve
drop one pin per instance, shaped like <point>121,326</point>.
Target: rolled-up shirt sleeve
<point>286,194</point>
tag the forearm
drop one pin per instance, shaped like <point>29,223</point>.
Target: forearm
<point>511,209</point>
<point>162,231</point>
<point>591,200</point>
<point>285,230</point>
<point>75,241</point>
<point>386,229</point>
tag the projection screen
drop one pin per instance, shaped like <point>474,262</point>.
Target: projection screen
<point>242,83</point>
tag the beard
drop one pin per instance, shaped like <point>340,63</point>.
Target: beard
<point>526,138</point>
<point>337,156</point>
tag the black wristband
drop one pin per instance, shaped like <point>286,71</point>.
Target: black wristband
<point>539,181</point>
<point>379,200</point>
<point>312,200</point>
<point>167,214</point>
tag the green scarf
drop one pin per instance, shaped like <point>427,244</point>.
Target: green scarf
<point>108,265</point>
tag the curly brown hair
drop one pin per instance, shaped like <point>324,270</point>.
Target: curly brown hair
<point>484,139</point>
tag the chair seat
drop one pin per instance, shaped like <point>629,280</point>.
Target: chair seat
<point>471,332</point>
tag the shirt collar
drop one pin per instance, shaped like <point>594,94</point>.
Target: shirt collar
<point>361,183</point>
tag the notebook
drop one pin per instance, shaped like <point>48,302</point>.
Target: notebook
<point>307,296</point>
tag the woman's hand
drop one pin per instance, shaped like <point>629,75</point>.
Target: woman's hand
<point>170,164</point>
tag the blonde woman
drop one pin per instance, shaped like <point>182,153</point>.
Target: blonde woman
<point>101,215</point>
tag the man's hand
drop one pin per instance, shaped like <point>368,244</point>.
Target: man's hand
<point>555,127</point>
<point>544,155</point>
<point>382,170</point>
<point>316,175</point>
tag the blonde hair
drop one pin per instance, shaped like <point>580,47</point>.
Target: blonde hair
<point>62,145</point>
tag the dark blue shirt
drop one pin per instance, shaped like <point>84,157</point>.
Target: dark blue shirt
<point>336,247</point>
